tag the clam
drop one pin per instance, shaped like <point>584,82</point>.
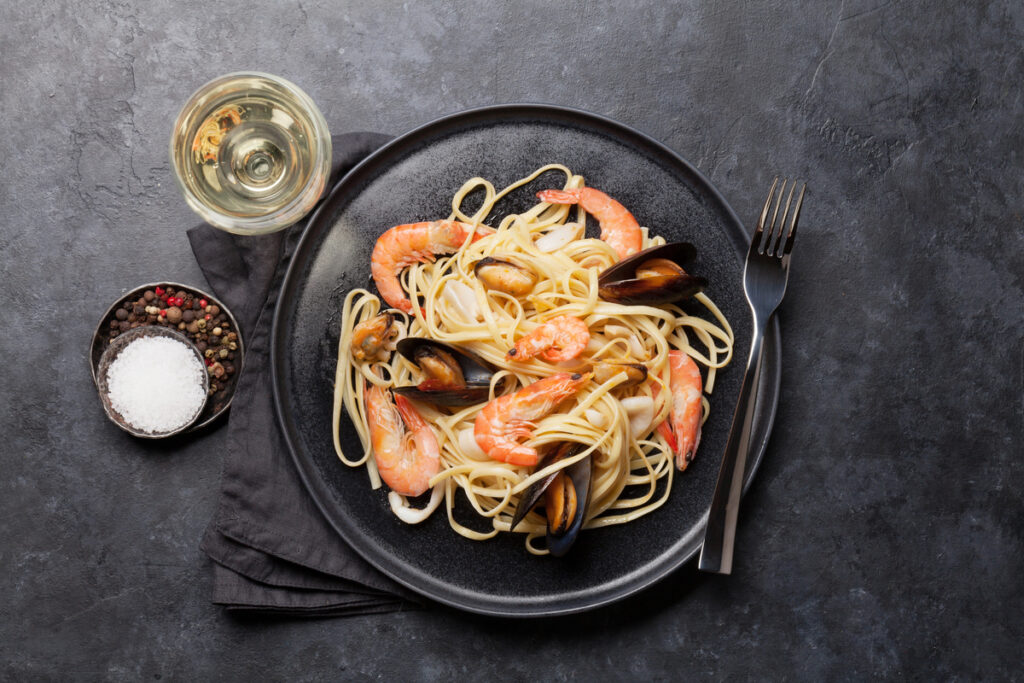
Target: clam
<point>565,493</point>
<point>451,376</point>
<point>636,373</point>
<point>653,276</point>
<point>505,276</point>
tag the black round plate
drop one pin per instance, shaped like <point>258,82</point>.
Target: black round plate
<point>413,179</point>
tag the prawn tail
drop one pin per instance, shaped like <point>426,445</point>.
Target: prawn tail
<point>514,453</point>
<point>558,196</point>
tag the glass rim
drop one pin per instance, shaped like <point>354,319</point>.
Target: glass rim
<point>298,206</point>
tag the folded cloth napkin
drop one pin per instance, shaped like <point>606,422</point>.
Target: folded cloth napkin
<point>273,550</point>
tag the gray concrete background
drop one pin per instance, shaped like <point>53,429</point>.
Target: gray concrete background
<point>883,536</point>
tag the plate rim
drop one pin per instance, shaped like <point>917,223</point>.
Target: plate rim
<point>472,601</point>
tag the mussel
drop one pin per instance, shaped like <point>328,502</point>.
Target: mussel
<point>636,373</point>
<point>652,276</point>
<point>566,494</point>
<point>373,339</point>
<point>451,376</point>
<point>505,276</point>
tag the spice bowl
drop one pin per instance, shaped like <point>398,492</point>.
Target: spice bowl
<point>143,305</point>
<point>115,349</point>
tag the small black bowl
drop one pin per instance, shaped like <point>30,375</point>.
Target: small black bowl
<point>113,351</point>
<point>218,404</point>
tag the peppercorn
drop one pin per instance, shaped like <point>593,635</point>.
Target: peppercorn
<point>113,323</point>
<point>159,291</point>
<point>138,309</point>
<point>214,309</point>
<point>232,336</point>
<point>201,346</point>
<point>124,325</point>
<point>229,368</point>
<point>181,326</point>
<point>197,304</point>
<point>208,353</point>
<point>121,314</point>
<point>224,340</point>
<point>174,314</point>
<point>192,327</point>
<point>141,301</point>
<point>148,295</point>
<point>223,353</point>
<point>188,316</point>
<point>218,370</point>
<point>231,355</point>
<point>202,324</point>
<point>217,331</point>
<point>232,345</point>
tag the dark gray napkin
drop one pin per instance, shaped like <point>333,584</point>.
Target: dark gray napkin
<point>273,550</point>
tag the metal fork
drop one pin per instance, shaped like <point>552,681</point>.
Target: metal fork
<point>764,282</point>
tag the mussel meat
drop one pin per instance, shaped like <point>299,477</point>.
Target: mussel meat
<point>653,276</point>
<point>451,376</point>
<point>566,494</point>
<point>373,339</point>
<point>636,373</point>
<point>505,276</point>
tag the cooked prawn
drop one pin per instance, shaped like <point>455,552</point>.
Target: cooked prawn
<point>406,460</point>
<point>559,339</point>
<point>509,419</point>
<point>618,226</point>
<point>682,427</point>
<point>403,245</point>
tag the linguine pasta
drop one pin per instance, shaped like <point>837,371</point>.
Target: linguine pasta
<point>455,308</point>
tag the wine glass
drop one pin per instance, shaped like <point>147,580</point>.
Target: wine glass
<point>251,152</point>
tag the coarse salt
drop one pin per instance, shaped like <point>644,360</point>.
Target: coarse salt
<point>156,384</point>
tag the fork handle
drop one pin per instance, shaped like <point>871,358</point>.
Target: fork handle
<point>720,532</point>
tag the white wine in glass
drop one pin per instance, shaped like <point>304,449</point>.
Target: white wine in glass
<point>251,153</point>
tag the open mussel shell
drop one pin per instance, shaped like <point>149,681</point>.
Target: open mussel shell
<point>452,377</point>
<point>565,493</point>
<point>569,497</point>
<point>620,283</point>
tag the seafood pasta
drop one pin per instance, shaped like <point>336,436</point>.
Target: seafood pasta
<point>553,379</point>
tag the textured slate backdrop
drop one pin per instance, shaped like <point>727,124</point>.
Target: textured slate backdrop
<point>883,534</point>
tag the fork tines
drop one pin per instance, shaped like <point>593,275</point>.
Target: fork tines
<point>773,241</point>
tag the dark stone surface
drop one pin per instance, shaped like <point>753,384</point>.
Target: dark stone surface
<point>883,536</point>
